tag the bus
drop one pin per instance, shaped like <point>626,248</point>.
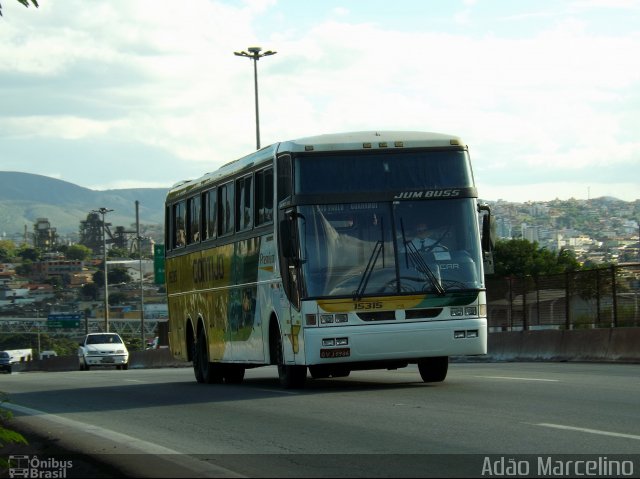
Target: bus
<point>299,255</point>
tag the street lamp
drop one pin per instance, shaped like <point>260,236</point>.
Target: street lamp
<point>255,55</point>
<point>104,211</point>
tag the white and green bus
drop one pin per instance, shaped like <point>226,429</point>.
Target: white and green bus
<point>300,255</point>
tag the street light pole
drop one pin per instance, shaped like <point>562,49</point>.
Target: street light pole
<point>103,211</point>
<point>255,55</point>
<point>139,244</point>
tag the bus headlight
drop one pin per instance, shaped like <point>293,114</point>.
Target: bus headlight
<point>326,318</point>
<point>341,318</point>
<point>471,311</point>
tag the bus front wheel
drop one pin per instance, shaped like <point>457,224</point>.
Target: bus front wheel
<point>291,377</point>
<point>433,370</point>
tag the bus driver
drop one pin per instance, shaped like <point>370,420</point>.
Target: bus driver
<point>421,240</point>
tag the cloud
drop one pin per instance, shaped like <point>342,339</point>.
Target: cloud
<point>559,98</point>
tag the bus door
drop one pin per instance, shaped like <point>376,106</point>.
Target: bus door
<point>290,267</point>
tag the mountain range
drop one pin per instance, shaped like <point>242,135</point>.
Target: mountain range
<point>25,197</point>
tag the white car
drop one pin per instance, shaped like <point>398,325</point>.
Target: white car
<point>103,349</point>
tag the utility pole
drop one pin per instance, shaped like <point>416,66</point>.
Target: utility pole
<point>138,238</point>
<point>103,211</point>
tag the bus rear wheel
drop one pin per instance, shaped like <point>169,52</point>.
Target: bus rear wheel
<point>433,370</point>
<point>205,371</point>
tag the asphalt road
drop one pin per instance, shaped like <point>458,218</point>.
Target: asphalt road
<point>161,423</point>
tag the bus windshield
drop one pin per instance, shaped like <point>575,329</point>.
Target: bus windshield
<point>389,248</point>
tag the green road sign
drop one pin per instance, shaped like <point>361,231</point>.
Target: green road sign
<point>64,320</point>
<point>158,263</point>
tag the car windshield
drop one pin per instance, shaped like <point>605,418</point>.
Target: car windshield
<point>103,339</point>
<point>4,355</point>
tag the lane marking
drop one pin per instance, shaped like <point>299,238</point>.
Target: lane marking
<point>590,431</point>
<point>193,465</point>
<point>519,379</point>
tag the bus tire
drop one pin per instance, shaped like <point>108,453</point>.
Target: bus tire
<point>195,355</point>
<point>433,370</point>
<point>205,371</point>
<point>291,377</point>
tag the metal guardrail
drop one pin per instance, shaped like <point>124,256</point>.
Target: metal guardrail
<point>598,298</point>
<point>124,327</point>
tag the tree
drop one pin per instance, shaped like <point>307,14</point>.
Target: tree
<point>25,3</point>
<point>25,269</point>
<point>78,252</point>
<point>29,253</point>
<point>116,276</point>
<point>119,275</point>
<point>117,298</point>
<point>118,253</point>
<point>520,257</point>
<point>90,290</point>
<point>7,250</point>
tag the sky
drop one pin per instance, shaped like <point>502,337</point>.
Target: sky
<point>145,93</point>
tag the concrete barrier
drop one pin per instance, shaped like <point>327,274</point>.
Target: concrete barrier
<point>625,345</point>
<point>152,358</point>
<point>585,345</point>
<point>155,358</point>
<point>605,345</point>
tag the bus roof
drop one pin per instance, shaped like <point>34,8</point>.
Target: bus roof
<point>357,140</point>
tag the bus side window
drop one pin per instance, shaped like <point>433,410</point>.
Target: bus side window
<point>193,215</point>
<point>244,207</point>
<point>167,228</point>
<point>264,196</point>
<point>226,209</point>
<point>180,234</point>
<point>210,205</point>
<point>285,177</point>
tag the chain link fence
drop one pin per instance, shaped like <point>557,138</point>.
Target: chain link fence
<point>598,298</point>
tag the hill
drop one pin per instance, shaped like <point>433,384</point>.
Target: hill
<point>25,197</point>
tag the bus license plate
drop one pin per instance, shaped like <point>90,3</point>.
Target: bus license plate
<point>335,353</point>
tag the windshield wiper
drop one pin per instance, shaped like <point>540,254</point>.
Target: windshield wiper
<point>422,266</point>
<point>373,259</point>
